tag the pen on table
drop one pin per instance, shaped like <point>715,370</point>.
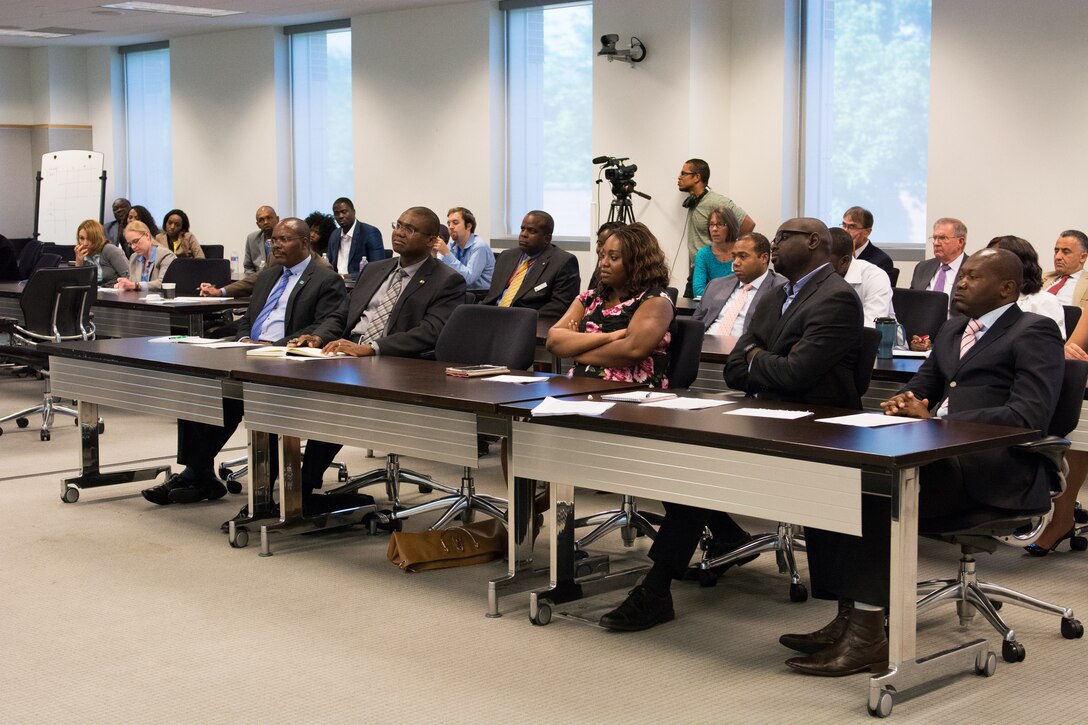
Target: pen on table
<point>646,395</point>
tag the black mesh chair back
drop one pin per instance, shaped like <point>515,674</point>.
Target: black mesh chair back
<point>66,252</point>
<point>486,335</point>
<point>920,312</point>
<point>47,260</point>
<point>1072,317</point>
<point>28,258</point>
<point>57,303</point>
<point>863,368</point>
<point>673,293</point>
<point>894,276</point>
<point>684,350</point>
<point>1067,413</point>
<point>212,251</point>
<point>187,273</point>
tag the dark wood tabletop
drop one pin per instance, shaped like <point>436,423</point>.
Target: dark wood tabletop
<point>895,446</point>
<point>139,352</point>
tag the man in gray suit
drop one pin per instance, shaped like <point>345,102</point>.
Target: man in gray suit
<point>938,273</point>
<point>258,245</point>
<point>726,302</point>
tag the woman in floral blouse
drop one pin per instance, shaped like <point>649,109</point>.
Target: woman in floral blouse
<point>620,329</point>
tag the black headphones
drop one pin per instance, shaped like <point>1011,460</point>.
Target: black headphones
<point>692,200</point>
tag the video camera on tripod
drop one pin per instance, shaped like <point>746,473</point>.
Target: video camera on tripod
<point>622,178</point>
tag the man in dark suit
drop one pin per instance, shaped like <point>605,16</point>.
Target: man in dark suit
<point>114,229</point>
<point>726,306</point>
<point>998,365</point>
<point>397,308</point>
<point>949,239</point>
<point>801,347</point>
<point>290,298</point>
<point>352,240</point>
<point>537,274</point>
<point>858,223</point>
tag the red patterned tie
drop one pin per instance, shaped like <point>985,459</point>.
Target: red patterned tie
<point>1057,287</point>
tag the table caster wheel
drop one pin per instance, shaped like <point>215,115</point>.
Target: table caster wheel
<point>543,613</point>
<point>986,664</point>
<point>234,487</point>
<point>241,538</point>
<point>22,422</point>
<point>71,495</point>
<point>45,435</point>
<point>1072,628</point>
<point>1013,651</point>
<point>707,578</point>
<point>884,703</point>
<point>799,593</point>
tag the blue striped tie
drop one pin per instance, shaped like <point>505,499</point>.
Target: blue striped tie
<point>273,300</point>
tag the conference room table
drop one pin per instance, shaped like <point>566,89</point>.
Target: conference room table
<point>128,313</point>
<point>803,471</point>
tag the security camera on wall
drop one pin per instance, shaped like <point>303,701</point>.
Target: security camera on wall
<point>634,54</point>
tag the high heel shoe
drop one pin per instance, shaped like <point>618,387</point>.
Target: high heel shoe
<point>1036,550</point>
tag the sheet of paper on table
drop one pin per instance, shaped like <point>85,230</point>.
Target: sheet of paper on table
<point>513,379</point>
<point>555,406</point>
<point>869,420</point>
<point>770,413</point>
<point>689,403</point>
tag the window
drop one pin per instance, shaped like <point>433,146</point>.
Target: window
<point>147,121</point>
<point>867,114</point>
<point>320,59</point>
<point>549,91</point>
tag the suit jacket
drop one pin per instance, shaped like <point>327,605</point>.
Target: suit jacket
<point>924,271</point>
<point>425,304</point>
<point>875,255</point>
<point>549,287</point>
<point>315,298</point>
<point>809,352</point>
<point>1012,376</point>
<point>1080,292</point>
<point>365,240</point>
<point>254,259</point>
<point>188,246</point>
<point>719,290</point>
<point>163,259</point>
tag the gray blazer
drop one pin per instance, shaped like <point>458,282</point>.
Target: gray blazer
<point>924,271</point>
<point>254,259</point>
<point>718,290</point>
<point>163,259</point>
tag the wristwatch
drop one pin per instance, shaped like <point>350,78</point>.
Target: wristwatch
<point>749,347</point>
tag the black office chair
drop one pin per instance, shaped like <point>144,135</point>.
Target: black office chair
<point>920,312</point>
<point>787,539</point>
<point>187,273</point>
<point>212,251</point>
<point>1072,317</point>
<point>685,346</point>
<point>67,252</point>
<point>56,306</point>
<point>28,258</point>
<point>673,293</point>
<point>894,276</point>
<point>47,260</point>
<point>473,335</point>
<point>984,528</point>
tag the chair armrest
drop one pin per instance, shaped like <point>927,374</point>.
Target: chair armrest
<point>1052,449</point>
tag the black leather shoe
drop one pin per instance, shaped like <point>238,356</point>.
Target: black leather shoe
<point>813,642</point>
<point>243,517</point>
<point>208,487</point>
<point>863,647</point>
<point>161,494</point>
<point>641,610</point>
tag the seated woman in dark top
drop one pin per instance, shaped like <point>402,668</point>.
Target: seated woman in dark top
<point>620,329</point>
<point>176,237</point>
<point>140,213</point>
<point>92,249</point>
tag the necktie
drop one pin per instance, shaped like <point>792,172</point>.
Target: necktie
<point>1057,287</point>
<point>515,282</point>
<point>376,327</point>
<point>969,336</point>
<point>938,284</point>
<point>731,314</point>
<point>269,305</point>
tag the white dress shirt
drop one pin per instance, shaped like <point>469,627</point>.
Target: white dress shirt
<point>1045,304</point>
<point>949,276</point>
<point>873,287</point>
<point>1065,294</point>
<point>742,316</point>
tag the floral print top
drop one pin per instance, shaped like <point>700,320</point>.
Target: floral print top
<point>654,369</point>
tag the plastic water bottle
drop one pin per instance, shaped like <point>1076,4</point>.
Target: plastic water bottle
<point>234,264</point>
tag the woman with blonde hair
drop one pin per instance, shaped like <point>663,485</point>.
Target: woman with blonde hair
<point>149,261</point>
<point>92,248</point>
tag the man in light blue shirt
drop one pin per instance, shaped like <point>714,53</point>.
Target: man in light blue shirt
<point>469,254</point>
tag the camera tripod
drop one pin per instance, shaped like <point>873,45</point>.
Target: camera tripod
<point>621,210</point>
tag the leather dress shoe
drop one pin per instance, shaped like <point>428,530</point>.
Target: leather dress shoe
<point>161,494</point>
<point>863,647</point>
<point>641,610</point>
<point>813,642</point>
<point>716,548</point>
<point>243,517</point>
<point>206,487</point>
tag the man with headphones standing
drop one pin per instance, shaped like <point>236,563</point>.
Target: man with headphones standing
<point>693,179</point>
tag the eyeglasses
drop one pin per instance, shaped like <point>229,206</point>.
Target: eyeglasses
<point>408,228</point>
<point>942,238</point>
<point>785,234</point>
<point>689,173</point>
<point>284,240</point>
<point>851,227</point>
<point>717,225</point>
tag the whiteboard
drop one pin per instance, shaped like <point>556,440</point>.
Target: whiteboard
<point>70,192</point>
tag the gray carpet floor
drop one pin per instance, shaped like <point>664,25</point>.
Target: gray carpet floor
<point>114,610</point>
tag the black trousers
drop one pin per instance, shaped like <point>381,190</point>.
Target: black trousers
<point>678,536</point>
<point>319,456</point>
<point>200,443</point>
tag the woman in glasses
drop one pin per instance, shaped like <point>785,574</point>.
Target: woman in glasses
<point>148,263</point>
<point>715,259</point>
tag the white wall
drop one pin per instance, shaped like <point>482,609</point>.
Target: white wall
<point>1007,134</point>
<point>229,125</point>
<point>106,114</point>
<point>16,99</point>
<point>424,135</point>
